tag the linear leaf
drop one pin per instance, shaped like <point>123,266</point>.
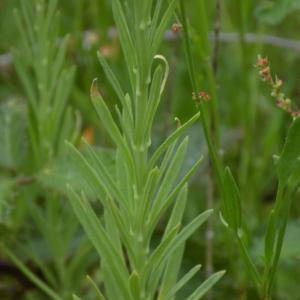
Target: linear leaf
<point>157,215</point>
<point>270,239</point>
<point>176,134</point>
<point>109,124</point>
<point>32,277</point>
<point>103,174</point>
<point>98,292</point>
<point>168,247</point>
<point>206,286</point>
<point>100,240</point>
<point>134,283</point>
<point>231,202</point>
<point>159,32</point>
<point>154,98</point>
<point>184,280</point>
<point>112,78</point>
<point>170,177</point>
<point>125,36</point>
<point>173,266</point>
<point>289,159</point>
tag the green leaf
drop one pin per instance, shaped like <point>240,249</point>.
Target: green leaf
<point>270,239</point>
<point>125,37</point>
<point>206,285</point>
<point>154,99</point>
<point>32,277</point>
<point>134,283</point>
<point>101,241</point>
<point>64,169</point>
<point>110,125</point>
<point>157,214</point>
<point>173,266</point>
<point>58,63</point>
<point>59,105</point>
<point>169,177</point>
<point>170,244</point>
<point>184,280</point>
<point>104,175</point>
<point>173,137</point>
<point>98,292</point>
<point>161,28</point>
<point>158,255</point>
<point>112,78</point>
<point>178,210</point>
<point>123,226</point>
<point>13,136</point>
<point>274,12</point>
<point>231,202</point>
<point>290,247</point>
<point>7,189</point>
<point>289,160</point>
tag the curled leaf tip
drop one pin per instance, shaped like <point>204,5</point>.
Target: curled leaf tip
<point>94,88</point>
<point>178,122</point>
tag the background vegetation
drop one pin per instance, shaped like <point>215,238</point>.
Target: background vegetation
<point>38,229</point>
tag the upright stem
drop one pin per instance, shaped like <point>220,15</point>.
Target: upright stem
<point>217,30</point>
<point>217,166</point>
<point>210,184</point>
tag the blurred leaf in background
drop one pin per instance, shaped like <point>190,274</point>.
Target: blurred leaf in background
<point>273,12</point>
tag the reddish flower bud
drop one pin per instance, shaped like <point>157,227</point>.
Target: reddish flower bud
<point>265,71</point>
<point>204,96</point>
<point>295,114</point>
<point>176,28</point>
<point>262,62</point>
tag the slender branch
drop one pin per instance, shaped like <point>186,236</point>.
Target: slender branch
<point>216,36</point>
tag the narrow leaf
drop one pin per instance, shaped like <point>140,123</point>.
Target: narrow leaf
<point>32,277</point>
<point>176,134</point>
<point>98,292</point>
<point>206,286</point>
<point>184,280</point>
<point>289,160</point>
<point>231,202</point>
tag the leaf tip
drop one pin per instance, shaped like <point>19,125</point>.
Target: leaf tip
<point>94,89</point>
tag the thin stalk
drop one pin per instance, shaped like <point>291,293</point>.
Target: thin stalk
<point>251,267</point>
<point>211,129</point>
<point>217,166</point>
<point>282,209</point>
<point>209,245</point>
<point>217,31</point>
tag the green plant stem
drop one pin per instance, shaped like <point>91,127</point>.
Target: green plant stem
<point>251,267</point>
<point>217,166</point>
<point>282,209</point>
<point>211,131</point>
